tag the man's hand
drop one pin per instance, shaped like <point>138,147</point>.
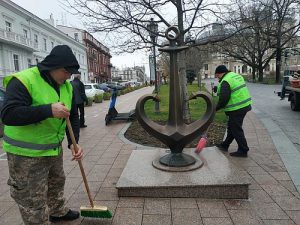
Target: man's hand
<point>59,110</point>
<point>76,156</point>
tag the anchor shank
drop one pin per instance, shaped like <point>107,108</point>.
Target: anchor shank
<point>175,97</point>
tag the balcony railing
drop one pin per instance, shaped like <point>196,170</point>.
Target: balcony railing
<point>18,39</point>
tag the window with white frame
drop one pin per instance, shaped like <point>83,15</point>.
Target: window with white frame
<point>8,26</point>
<point>76,36</point>
<point>25,33</point>
<point>36,39</point>
<point>16,62</point>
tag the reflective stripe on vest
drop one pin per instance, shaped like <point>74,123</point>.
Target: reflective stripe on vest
<point>44,137</point>
<point>238,103</point>
<point>32,146</point>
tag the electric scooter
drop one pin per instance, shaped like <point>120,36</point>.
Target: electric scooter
<point>113,114</point>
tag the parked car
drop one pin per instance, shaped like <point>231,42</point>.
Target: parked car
<point>2,92</point>
<point>104,87</point>
<point>92,89</point>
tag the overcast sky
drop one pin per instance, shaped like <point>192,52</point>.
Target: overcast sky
<point>43,9</point>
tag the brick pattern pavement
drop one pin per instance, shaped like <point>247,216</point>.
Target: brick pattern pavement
<point>273,200</point>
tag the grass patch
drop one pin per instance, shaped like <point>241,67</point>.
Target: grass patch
<point>197,106</point>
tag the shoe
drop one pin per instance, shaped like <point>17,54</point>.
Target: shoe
<point>238,154</point>
<point>83,126</point>
<point>71,215</point>
<point>222,147</point>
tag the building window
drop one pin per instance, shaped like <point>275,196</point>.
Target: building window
<point>29,63</point>
<point>45,44</point>
<point>8,26</point>
<point>16,62</point>
<point>37,61</point>
<point>36,39</point>
<point>205,66</point>
<point>76,36</point>
<point>52,44</point>
<point>25,32</point>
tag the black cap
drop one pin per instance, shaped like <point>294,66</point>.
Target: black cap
<point>72,70</point>
<point>221,69</point>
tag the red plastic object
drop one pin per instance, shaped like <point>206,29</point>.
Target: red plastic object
<point>201,144</point>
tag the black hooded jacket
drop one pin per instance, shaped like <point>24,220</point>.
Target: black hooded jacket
<point>17,109</point>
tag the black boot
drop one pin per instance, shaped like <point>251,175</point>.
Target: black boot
<point>71,215</point>
<point>222,147</point>
<point>239,154</point>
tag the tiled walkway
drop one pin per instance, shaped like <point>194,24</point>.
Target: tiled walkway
<point>274,200</point>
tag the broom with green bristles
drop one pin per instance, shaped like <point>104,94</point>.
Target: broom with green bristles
<point>85,211</point>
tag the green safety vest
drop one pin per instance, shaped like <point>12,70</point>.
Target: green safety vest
<point>43,138</point>
<point>240,96</point>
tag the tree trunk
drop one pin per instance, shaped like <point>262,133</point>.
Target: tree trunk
<point>253,74</point>
<point>183,84</point>
<point>260,73</point>
<point>278,65</point>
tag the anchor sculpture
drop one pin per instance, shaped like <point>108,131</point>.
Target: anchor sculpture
<point>175,134</point>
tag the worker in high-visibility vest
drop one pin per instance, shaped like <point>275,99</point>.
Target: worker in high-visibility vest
<point>36,103</point>
<point>235,99</point>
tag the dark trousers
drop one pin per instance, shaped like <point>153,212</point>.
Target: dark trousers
<point>81,113</point>
<point>235,130</point>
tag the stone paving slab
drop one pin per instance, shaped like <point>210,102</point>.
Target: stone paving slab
<point>273,197</point>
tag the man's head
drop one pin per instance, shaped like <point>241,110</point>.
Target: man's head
<point>220,71</point>
<point>61,63</point>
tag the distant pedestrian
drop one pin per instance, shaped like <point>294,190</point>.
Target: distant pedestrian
<point>36,103</point>
<point>235,98</point>
<point>80,97</point>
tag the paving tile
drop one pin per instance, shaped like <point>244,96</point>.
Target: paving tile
<point>256,170</point>
<point>110,182</point>
<point>258,196</point>
<point>181,203</point>
<point>128,216</point>
<point>287,202</point>
<point>133,202</point>
<point>294,215</point>
<point>237,204</point>
<point>157,220</point>
<point>186,217</point>
<point>217,221</point>
<point>276,190</point>
<point>244,217</point>
<point>11,217</point>
<point>264,179</point>
<point>157,206</point>
<point>212,209</point>
<point>280,175</point>
<point>107,194</point>
<point>288,184</point>
<point>270,211</point>
<point>279,222</point>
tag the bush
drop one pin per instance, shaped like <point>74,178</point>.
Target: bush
<point>98,98</point>
<point>106,96</point>
<point>90,101</point>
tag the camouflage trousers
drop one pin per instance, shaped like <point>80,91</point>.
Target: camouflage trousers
<point>37,186</point>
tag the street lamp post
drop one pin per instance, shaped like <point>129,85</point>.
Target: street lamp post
<point>153,28</point>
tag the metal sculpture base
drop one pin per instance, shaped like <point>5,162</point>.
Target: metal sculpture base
<point>177,160</point>
<point>156,164</point>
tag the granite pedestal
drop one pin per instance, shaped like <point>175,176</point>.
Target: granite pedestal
<point>217,178</point>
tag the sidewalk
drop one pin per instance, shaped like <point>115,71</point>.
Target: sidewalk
<point>274,199</point>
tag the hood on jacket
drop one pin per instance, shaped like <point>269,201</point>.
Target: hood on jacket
<point>61,56</point>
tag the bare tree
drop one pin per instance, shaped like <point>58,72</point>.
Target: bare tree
<point>263,38</point>
<point>285,26</point>
<point>125,23</point>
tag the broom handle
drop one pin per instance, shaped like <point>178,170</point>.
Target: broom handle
<point>79,162</point>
